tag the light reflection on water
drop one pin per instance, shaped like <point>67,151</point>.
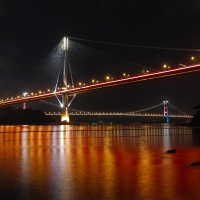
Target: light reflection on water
<point>99,162</point>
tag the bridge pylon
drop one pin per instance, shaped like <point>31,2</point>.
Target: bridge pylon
<point>65,107</point>
<point>166,114</point>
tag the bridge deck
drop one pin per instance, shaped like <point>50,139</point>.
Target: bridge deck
<point>146,77</point>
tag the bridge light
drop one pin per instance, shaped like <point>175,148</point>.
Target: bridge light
<point>65,44</point>
<point>48,90</point>
<point>107,77</point>
<point>164,66</point>
<point>192,59</point>
<point>79,83</point>
<point>40,92</point>
<point>25,93</point>
<point>124,74</point>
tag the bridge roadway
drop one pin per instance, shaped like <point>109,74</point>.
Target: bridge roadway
<point>119,114</point>
<point>145,77</point>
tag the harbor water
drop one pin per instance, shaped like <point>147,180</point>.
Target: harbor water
<point>99,162</point>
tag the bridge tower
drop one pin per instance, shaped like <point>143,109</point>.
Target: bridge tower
<point>65,107</point>
<point>166,114</point>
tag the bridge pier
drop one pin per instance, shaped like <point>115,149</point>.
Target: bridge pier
<point>65,109</point>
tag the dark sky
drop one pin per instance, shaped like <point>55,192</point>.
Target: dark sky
<point>30,29</point>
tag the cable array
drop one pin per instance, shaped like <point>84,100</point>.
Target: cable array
<point>176,109</point>
<point>136,46</point>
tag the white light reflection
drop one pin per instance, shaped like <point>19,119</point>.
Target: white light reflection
<point>24,156</point>
<point>60,163</point>
<point>166,130</point>
<point>54,135</point>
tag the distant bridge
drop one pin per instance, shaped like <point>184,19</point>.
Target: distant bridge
<point>119,114</point>
<point>138,113</point>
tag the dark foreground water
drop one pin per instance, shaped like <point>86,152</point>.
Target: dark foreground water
<point>99,162</point>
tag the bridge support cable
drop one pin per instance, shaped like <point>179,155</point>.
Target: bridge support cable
<point>123,113</point>
<point>37,72</point>
<point>176,109</point>
<point>74,95</point>
<point>136,46</point>
<point>97,65</point>
<point>46,74</point>
<point>145,109</point>
<point>70,71</point>
<point>56,86</point>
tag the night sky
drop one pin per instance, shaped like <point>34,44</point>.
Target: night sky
<point>30,29</point>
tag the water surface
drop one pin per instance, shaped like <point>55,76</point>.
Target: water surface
<point>99,162</point>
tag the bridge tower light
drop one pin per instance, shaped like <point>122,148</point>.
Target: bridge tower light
<point>166,114</point>
<point>65,44</point>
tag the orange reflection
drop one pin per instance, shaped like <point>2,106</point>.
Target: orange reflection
<point>100,162</point>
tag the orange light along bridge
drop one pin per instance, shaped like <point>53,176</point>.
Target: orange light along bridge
<point>139,78</point>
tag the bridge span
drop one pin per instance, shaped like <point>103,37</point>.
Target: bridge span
<point>97,86</point>
<point>120,114</point>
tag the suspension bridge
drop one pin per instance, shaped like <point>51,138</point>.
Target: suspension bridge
<point>138,113</point>
<point>65,85</point>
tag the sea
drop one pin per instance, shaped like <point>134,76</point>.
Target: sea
<point>99,162</point>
